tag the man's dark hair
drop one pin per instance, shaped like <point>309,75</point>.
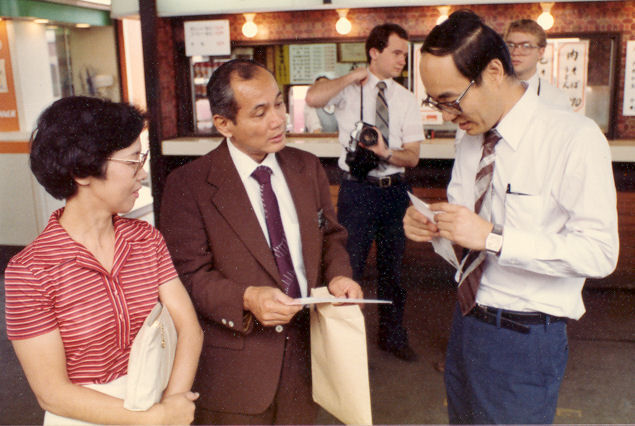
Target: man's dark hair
<point>219,91</point>
<point>471,43</point>
<point>378,37</point>
<point>75,136</point>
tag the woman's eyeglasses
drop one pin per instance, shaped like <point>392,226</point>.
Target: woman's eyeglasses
<point>450,107</point>
<point>138,163</point>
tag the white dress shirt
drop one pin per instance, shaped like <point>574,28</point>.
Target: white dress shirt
<point>405,120</point>
<point>553,191</point>
<point>549,94</point>
<point>245,166</point>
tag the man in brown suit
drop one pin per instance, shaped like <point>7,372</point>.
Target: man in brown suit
<point>255,365</point>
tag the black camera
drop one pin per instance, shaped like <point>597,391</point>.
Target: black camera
<point>364,133</point>
<point>359,159</point>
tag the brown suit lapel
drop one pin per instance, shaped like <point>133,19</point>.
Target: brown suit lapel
<point>233,204</point>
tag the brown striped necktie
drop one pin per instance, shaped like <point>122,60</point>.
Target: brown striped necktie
<point>277,238</point>
<point>472,265</point>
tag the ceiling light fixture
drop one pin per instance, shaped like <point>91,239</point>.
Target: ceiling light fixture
<point>41,21</point>
<point>443,14</point>
<point>250,29</point>
<point>545,20</point>
<point>343,25</point>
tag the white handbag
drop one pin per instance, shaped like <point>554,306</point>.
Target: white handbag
<point>151,358</point>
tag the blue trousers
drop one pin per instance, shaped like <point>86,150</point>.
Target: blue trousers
<point>496,375</point>
<point>370,213</point>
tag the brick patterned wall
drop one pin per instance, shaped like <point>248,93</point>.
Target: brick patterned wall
<point>599,16</point>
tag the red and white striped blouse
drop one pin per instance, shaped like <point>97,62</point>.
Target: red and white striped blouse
<point>56,282</point>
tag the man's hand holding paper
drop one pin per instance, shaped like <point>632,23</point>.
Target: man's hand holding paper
<point>420,225</point>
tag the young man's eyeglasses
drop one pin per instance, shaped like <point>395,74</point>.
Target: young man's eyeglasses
<point>522,47</point>
<point>138,163</point>
<point>450,107</point>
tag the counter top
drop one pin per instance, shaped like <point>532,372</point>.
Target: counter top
<point>622,150</point>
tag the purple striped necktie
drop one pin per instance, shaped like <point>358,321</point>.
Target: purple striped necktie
<point>472,265</point>
<point>277,239</point>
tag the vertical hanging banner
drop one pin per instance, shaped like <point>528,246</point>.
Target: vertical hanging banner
<point>9,121</point>
<point>545,64</point>
<point>573,59</point>
<point>629,80</point>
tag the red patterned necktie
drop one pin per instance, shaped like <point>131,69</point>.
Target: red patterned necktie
<point>472,265</point>
<point>277,239</point>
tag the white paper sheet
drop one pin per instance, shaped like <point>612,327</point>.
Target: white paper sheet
<point>315,300</point>
<point>442,246</point>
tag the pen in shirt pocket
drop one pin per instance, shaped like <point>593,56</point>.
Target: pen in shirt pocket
<point>509,190</point>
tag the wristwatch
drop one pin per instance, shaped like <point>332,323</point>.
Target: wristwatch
<point>494,240</point>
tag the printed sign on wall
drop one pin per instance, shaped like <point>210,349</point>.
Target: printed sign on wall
<point>207,38</point>
<point>9,121</point>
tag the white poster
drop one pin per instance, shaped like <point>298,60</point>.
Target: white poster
<point>207,38</point>
<point>573,59</point>
<point>429,115</point>
<point>629,80</point>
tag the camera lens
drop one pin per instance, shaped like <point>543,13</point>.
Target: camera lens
<point>368,136</point>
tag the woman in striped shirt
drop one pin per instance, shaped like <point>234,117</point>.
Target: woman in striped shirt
<point>77,296</point>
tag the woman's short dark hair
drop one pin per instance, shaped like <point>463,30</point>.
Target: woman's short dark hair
<point>471,43</point>
<point>74,138</point>
<point>219,91</point>
<point>378,37</point>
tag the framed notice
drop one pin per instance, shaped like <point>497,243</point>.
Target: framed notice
<point>351,52</point>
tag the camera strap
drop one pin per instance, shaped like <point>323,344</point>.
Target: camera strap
<point>361,102</point>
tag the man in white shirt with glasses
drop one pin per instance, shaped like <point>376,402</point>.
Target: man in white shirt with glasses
<point>532,197</point>
<point>526,41</point>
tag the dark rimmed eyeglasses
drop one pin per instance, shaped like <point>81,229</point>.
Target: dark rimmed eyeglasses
<point>453,107</point>
<point>138,163</point>
<point>522,47</point>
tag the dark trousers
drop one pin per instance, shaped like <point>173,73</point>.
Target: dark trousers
<point>370,213</point>
<point>496,375</point>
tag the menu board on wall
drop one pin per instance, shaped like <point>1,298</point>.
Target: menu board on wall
<point>573,59</point>
<point>629,80</point>
<point>307,60</point>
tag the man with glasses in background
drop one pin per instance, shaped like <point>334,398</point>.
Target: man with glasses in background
<point>526,41</point>
<point>532,201</point>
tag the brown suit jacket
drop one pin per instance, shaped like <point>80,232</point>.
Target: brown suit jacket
<point>219,250</point>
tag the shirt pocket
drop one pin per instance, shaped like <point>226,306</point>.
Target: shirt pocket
<point>523,210</point>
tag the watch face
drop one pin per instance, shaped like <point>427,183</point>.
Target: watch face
<point>493,242</point>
